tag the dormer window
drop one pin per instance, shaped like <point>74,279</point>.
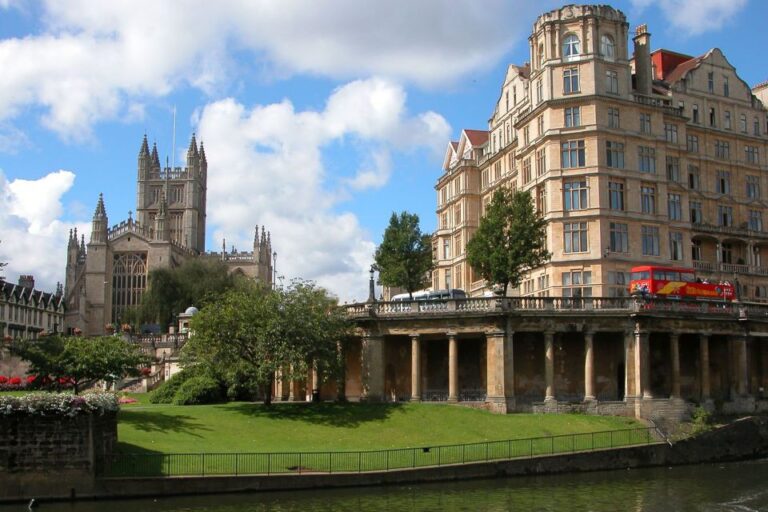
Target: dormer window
<point>571,46</point>
<point>607,48</point>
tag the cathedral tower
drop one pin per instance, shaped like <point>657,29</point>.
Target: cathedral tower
<point>183,189</point>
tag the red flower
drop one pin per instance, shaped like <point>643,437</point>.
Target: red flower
<point>31,379</point>
<point>146,371</point>
<point>3,379</point>
<point>15,381</point>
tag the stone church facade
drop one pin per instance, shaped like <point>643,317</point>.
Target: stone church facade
<point>109,274</point>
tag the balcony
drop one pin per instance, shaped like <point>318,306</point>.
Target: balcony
<point>729,268</point>
<point>741,231</point>
<point>661,103</point>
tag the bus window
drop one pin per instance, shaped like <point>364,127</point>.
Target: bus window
<point>658,275</point>
<point>672,276</point>
<point>688,277</point>
<point>636,276</point>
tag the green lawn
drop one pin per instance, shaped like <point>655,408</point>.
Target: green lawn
<point>247,427</point>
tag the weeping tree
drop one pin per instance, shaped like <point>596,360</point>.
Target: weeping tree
<point>172,290</point>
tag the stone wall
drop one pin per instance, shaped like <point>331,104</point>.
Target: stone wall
<point>53,456</point>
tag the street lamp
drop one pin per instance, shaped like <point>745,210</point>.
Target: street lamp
<point>371,287</point>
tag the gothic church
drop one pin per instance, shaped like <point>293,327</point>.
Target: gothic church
<point>109,274</point>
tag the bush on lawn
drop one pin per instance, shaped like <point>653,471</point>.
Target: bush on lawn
<point>165,392</point>
<point>198,390</point>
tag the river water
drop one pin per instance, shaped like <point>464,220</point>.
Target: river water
<point>741,486</point>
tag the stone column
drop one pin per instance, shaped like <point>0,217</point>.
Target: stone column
<point>741,365</point>
<point>494,374</point>
<point>509,367</point>
<point>372,365</point>
<point>315,393</point>
<point>642,380</point>
<point>674,347</point>
<point>630,391</point>
<point>453,368</point>
<point>704,356</point>
<point>291,386</point>
<point>279,383</point>
<point>549,365</point>
<point>589,366</point>
<point>415,368</point>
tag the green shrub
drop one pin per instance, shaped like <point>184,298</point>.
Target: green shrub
<point>701,420</point>
<point>198,390</point>
<point>164,393</point>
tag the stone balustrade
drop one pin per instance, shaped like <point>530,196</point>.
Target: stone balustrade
<point>556,304</point>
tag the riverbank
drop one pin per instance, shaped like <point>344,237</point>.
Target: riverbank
<point>742,440</point>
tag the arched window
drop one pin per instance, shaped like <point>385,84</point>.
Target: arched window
<point>129,280</point>
<point>541,55</point>
<point>571,46</point>
<point>607,48</point>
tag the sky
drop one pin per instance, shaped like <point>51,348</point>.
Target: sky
<point>319,118</point>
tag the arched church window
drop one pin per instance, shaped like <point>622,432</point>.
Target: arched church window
<point>129,280</point>
<point>607,48</point>
<point>571,46</point>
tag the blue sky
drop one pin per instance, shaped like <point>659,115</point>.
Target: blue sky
<point>319,118</point>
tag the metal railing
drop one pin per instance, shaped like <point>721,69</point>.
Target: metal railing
<point>202,464</point>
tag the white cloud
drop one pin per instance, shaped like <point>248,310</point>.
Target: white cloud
<point>269,170</point>
<point>34,237</point>
<point>93,60</point>
<point>695,17</point>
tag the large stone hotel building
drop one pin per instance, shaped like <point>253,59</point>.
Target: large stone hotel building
<point>633,155</point>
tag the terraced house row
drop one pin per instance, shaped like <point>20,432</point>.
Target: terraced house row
<point>633,155</point>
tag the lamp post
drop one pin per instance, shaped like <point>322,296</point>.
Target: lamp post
<point>371,287</point>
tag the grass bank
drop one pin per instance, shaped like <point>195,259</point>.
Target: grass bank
<point>247,427</point>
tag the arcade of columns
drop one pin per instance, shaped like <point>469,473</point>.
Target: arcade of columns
<point>644,366</point>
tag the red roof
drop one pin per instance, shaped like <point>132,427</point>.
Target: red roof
<point>477,137</point>
<point>665,62</point>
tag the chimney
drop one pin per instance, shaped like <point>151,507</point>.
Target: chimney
<point>27,281</point>
<point>642,56</point>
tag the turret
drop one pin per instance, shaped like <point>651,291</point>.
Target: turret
<point>99,223</point>
<point>81,251</point>
<point>155,159</point>
<point>144,160</point>
<point>256,246</point>
<point>162,228</point>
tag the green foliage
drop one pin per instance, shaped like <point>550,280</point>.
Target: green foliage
<point>405,254</point>
<point>253,331</point>
<point>198,390</point>
<point>701,421</point>
<point>510,240</point>
<point>2,266</point>
<point>107,358</point>
<point>164,393</point>
<point>195,283</point>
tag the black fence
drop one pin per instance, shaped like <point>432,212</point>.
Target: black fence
<point>181,464</point>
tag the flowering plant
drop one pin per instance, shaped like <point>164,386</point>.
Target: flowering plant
<point>14,381</point>
<point>3,379</point>
<point>58,404</point>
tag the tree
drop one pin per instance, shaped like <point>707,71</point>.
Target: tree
<point>77,359</point>
<point>254,332</point>
<point>3,264</point>
<point>171,291</point>
<point>510,240</point>
<point>405,254</point>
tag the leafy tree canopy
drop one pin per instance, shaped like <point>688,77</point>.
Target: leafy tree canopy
<point>405,254</point>
<point>252,332</point>
<point>107,358</point>
<point>510,240</point>
<point>171,291</point>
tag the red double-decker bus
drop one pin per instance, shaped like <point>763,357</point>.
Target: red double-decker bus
<point>677,283</point>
